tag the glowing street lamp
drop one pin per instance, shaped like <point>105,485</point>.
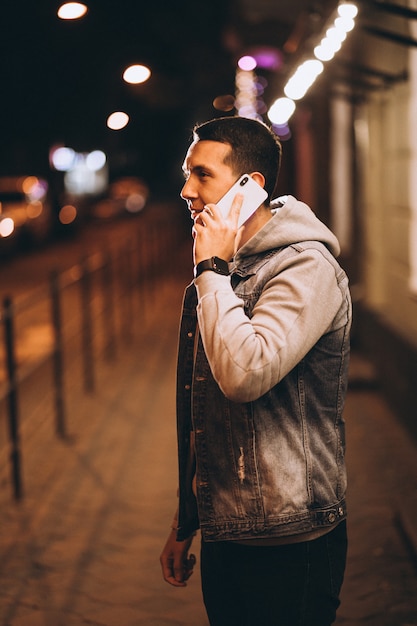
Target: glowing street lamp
<point>117,120</point>
<point>347,10</point>
<point>281,111</point>
<point>72,11</point>
<point>247,63</point>
<point>136,74</point>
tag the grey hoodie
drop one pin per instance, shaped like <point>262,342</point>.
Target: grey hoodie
<point>249,356</point>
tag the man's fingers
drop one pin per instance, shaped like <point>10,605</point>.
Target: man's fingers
<point>176,575</point>
<point>171,575</point>
<point>174,582</point>
<point>175,563</point>
<point>189,566</point>
<point>234,212</point>
<point>211,212</point>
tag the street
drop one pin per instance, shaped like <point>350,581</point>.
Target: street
<point>83,544</point>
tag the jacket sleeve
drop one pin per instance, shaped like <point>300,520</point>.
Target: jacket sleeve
<point>249,356</point>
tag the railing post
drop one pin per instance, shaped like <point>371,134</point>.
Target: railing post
<point>143,272</point>
<point>149,242</point>
<point>109,316</point>
<point>127,295</point>
<point>58,370</point>
<point>87,333</point>
<point>12,398</point>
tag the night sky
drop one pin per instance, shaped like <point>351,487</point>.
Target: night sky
<point>60,80</point>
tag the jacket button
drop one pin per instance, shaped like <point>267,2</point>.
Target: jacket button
<point>189,335</point>
<point>187,387</point>
<point>331,517</point>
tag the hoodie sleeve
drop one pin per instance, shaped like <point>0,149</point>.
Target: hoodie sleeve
<point>248,356</point>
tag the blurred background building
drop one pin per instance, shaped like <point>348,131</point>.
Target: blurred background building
<point>80,137</point>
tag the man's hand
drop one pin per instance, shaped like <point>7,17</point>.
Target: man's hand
<point>215,236</point>
<point>177,566</point>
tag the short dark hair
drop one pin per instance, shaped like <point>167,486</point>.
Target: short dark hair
<point>255,147</point>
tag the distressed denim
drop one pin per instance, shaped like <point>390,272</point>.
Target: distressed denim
<point>273,467</point>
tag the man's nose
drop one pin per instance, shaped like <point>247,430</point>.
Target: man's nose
<point>187,191</point>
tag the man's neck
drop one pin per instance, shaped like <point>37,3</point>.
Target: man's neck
<point>253,225</point>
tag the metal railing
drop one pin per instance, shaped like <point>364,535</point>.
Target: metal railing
<point>70,324</point>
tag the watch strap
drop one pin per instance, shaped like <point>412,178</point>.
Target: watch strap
<point>215,264</point>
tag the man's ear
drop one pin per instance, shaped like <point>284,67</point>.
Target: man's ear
<point>258,178</point>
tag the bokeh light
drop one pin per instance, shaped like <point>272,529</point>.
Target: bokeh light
<point>347,9</point>
<point>117,120</point>
<point>267,58</point>
<point>6,227</point>
<point>95,160</point>
<point>247,63</point>
<point>282,130</point>
<point>281,111</point>
<point>34,209</point>
<point>67,214</point>
<point>136,74</point>
<point>337,33</point>
<point>72,11</point>
<point>345,23</point>
<point>135,202</point>
<point>224,103</point>
<point>303,78</point>
<point>62,158</point>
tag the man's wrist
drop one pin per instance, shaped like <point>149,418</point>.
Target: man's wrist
<point>214,264</point>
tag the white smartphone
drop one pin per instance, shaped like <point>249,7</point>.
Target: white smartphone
<point>253,196</point>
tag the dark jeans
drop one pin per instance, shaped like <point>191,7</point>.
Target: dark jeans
<point>290,585</point>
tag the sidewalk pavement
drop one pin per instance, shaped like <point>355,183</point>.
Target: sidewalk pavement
<point>83,545</point>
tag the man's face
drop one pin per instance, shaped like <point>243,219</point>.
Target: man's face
<point>207,176</point>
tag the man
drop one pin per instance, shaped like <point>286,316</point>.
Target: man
<point>262,377</point>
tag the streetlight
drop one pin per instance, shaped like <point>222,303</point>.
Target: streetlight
<point>281,111</point>
<point>72,10</point>
<point>117,120</point>
<point>136,74</point>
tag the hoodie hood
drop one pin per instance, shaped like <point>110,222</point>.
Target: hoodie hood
<point>292,222</point>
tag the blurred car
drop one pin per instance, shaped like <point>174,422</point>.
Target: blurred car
<point>26,216</point>
<point>127,195</point>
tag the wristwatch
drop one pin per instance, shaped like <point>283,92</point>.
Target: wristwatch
<point>214,264</point>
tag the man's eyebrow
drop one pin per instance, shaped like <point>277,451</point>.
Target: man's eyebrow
<point>196,168</point>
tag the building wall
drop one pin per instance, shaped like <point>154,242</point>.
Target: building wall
<point>355,163</point>
<point>387,212</point>
<point>386,302</point>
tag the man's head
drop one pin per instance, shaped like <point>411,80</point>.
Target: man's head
<point>222,150</point>
<point>254,147</point>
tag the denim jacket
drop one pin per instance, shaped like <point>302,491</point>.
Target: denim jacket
<point>269,448</point>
